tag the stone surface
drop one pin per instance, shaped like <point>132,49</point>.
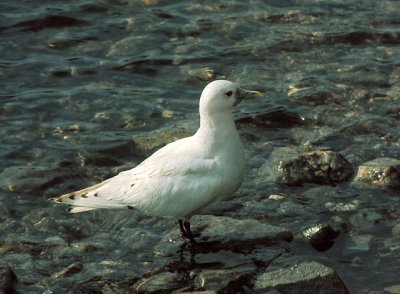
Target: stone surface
<point>273,118</point>
<point>300,276</point>
<point>241,234</point>
<point>381,172</point>
<point>291,167</point>
<point>221,280</point>
<point>160,282</point>
<point>72,269</point>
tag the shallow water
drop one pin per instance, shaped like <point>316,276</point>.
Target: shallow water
<point>80,80</point>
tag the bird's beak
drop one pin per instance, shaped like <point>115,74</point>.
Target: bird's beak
<point>243,94</point>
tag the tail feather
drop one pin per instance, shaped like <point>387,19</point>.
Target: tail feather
<point>87,199</point>
<point>79,209</point>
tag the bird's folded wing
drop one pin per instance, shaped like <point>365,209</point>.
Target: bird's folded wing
<point>159,177</point>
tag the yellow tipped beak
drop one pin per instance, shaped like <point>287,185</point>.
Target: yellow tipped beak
<point>243,94</point>
<point>247,94</point>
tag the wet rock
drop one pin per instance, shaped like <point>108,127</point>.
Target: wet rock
<point>203,74</point>
<point>293,168</point>
<point>72,269</point>
<point>321,236</point>
<point>289,275</point>
<point>8,280</point>
<point>273,118</point>
<point>228,280</point>
<point>243,234</point>
<point>27,178</point>
<point>394,289</point>
<point>223,271</point>
<point>396,230</point>
<point>314,92</point>
<point>164,281</point>
<point>381,172</point>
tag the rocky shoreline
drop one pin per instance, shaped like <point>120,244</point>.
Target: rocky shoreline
<point>253,243</point>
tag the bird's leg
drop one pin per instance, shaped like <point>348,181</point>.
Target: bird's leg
<point>182,227</point>
<point>190,235</point>
<point>185,230</point>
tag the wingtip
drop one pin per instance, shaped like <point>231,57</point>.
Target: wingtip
<point>55,199</point>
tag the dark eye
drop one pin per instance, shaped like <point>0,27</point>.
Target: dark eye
<point>229,94</point>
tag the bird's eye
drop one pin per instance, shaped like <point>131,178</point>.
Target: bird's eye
<point>229,94</point>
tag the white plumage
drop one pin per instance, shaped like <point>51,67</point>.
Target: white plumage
<point>185,176</point>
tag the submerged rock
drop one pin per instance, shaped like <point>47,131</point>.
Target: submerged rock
<point>323,167</point>
<point>27,178</point>
<point>299,276</point>
<point>8,280</point>
<point>381,172</point>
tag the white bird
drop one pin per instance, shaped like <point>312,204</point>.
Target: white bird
<point>184,177</point>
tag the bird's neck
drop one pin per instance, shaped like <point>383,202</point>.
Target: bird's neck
<point>217,127</point>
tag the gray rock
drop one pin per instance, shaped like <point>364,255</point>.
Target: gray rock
<point>163,281</point>
<point>224,279</point>
<point>230,271</point>
<point>381,172</point>
<point>241,234</point>
<point>291,167</point>
<point>70,270</point>
<point>299,276</point>
<point>394,289</point>
<point>8,280</point>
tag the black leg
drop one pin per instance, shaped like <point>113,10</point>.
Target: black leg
<point>182,227</point>
<point>185,230</point>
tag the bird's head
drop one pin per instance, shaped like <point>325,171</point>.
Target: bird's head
<point>222,95</point>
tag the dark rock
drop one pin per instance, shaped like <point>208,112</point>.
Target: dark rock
<point>274,118</point>
<point>8,280</point>
<point>381,172</point>
<point>321,236</point>
<point>293,168</point>
<point>289,275</point>
<point>51,21</point>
